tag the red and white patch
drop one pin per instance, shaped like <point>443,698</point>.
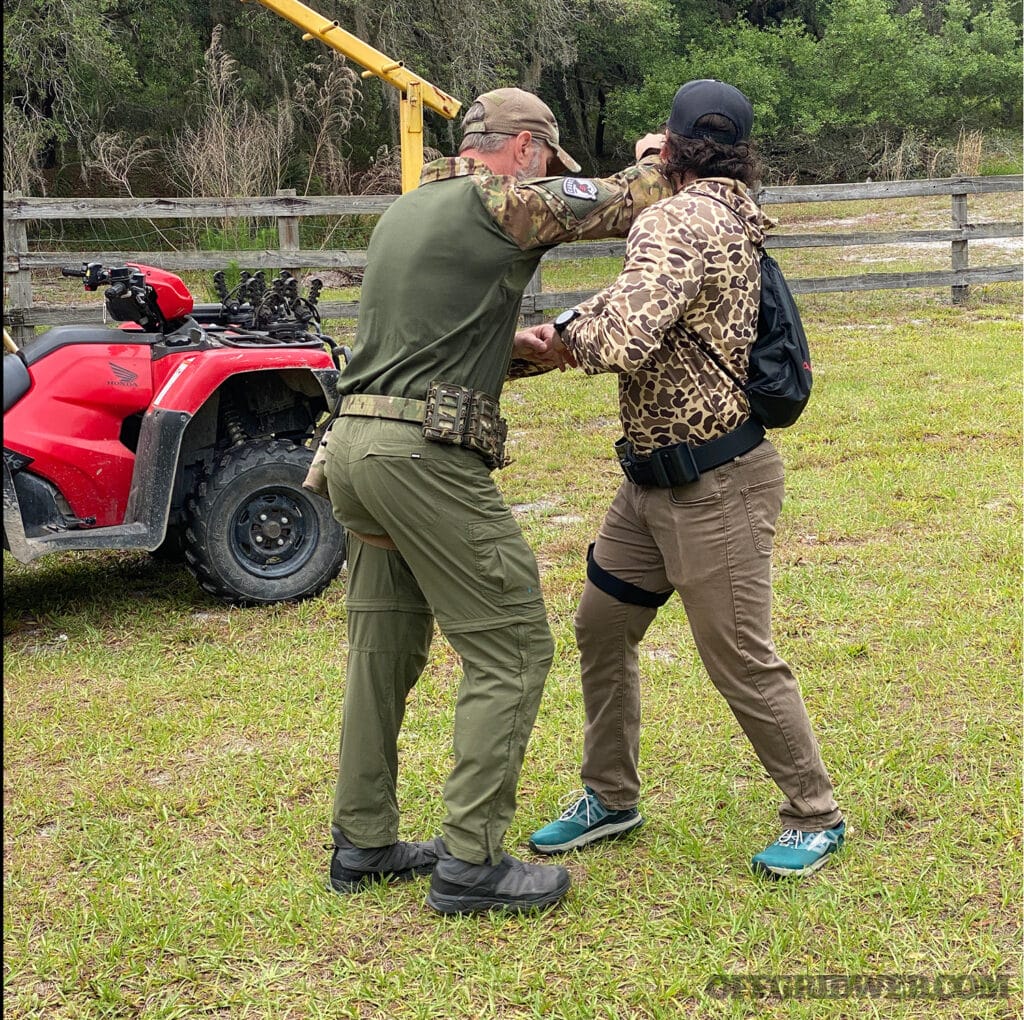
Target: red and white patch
<point>574,187</point>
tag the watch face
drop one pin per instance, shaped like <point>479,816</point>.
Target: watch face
<point>564,318</point>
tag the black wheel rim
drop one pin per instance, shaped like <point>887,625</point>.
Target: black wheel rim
<point>274,532</point>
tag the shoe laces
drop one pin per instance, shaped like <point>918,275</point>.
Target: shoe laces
<point>800,840</point>
<point>579,801</point>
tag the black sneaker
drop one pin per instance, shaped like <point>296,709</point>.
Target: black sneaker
<point>458,887</point>
<point>354,868</point>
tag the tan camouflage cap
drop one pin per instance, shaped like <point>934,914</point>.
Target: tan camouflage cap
<point>509,111</point>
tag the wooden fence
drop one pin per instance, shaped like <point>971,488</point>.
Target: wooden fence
<point>22,315</point>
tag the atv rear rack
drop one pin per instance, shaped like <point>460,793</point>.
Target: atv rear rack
<point>268,340</point>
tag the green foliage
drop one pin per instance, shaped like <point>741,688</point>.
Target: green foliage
<point>827,77</point>
<point>616,40</point>
<point>997,167</point>
<point>337,232</point>
<point>66,74</point>
<point>167,44</point>
<point>237,235</point>
<point>981,78</point>
<point>872,70</point>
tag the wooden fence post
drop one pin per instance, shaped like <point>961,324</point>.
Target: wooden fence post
<point>289,238</point>
<point>18,283</point>
<point>532,315</point>
<point>959,248</point>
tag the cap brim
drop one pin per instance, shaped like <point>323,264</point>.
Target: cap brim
<point>567,163</point>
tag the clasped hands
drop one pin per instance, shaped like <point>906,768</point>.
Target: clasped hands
<point>541,345</point>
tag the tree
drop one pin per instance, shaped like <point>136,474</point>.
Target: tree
<point>616,42</point>
<point>830,106</point>
<point>64,72</point>
<point>468,46</point>
<point>233,148</point>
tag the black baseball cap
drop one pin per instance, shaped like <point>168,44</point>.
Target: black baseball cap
<point>704,96</point>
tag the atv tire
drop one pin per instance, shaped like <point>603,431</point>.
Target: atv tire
<point>255,536</point>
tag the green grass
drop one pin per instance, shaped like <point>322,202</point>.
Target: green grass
<point>169,762</point>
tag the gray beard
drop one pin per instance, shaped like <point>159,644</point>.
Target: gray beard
<point>533,170</point>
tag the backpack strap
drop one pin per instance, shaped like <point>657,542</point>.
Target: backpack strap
<point>694,335</point>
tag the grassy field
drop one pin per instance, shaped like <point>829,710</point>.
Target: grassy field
<point>169,762</point>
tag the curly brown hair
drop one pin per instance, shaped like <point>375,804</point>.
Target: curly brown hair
<point>708,158</point>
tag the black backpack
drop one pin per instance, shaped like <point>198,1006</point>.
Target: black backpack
<point>779,378</point>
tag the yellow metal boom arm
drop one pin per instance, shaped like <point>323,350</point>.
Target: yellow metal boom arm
<point>415,92</point>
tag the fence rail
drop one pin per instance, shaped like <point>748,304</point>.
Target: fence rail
<point>22,314</point>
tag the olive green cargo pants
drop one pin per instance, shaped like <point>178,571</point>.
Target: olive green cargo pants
<point>461,559</point>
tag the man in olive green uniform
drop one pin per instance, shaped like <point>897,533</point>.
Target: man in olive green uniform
<point>429,535</point>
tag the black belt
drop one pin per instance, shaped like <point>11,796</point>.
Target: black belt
<point>682,463</point>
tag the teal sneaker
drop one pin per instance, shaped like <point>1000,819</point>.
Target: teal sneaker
<point>585,821</point>
<point>796,853</point>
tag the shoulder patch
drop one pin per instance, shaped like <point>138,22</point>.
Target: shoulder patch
<point>576,187</point>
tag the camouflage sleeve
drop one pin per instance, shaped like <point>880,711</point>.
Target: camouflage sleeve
<point>520,368</point>
<point>557,209</point>
<point>623,325</point>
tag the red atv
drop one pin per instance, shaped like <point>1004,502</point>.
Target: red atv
<point>188,432</point>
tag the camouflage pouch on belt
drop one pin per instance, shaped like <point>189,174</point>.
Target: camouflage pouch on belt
<point>469,418</point>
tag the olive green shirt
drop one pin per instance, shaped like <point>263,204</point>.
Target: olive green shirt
<point>447,265</point>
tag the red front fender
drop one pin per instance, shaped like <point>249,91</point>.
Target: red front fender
<point>185,382</point>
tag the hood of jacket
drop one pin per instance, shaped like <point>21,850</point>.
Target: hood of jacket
<point>737,197</point>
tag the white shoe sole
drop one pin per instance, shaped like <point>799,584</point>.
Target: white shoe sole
<point>766,869</point>
<point>602,832</point>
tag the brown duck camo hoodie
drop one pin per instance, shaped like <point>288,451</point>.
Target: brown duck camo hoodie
<point>691,268</point>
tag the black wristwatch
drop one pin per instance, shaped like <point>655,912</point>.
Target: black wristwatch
<point>564,318</point>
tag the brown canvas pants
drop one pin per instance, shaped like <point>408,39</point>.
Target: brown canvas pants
<point>710,541</point>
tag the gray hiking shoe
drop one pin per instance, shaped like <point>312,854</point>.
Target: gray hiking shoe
<point>354,868</point>
<point>458,887</point>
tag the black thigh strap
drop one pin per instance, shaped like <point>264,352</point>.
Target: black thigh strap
<point>621,590</point>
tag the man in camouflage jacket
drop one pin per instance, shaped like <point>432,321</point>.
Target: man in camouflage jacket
<point>696,513</point>
<point>430,537</point>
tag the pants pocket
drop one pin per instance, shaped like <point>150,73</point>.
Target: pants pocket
<point>400,484</point>
<point>763,503</point>
<point>504,562</point>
